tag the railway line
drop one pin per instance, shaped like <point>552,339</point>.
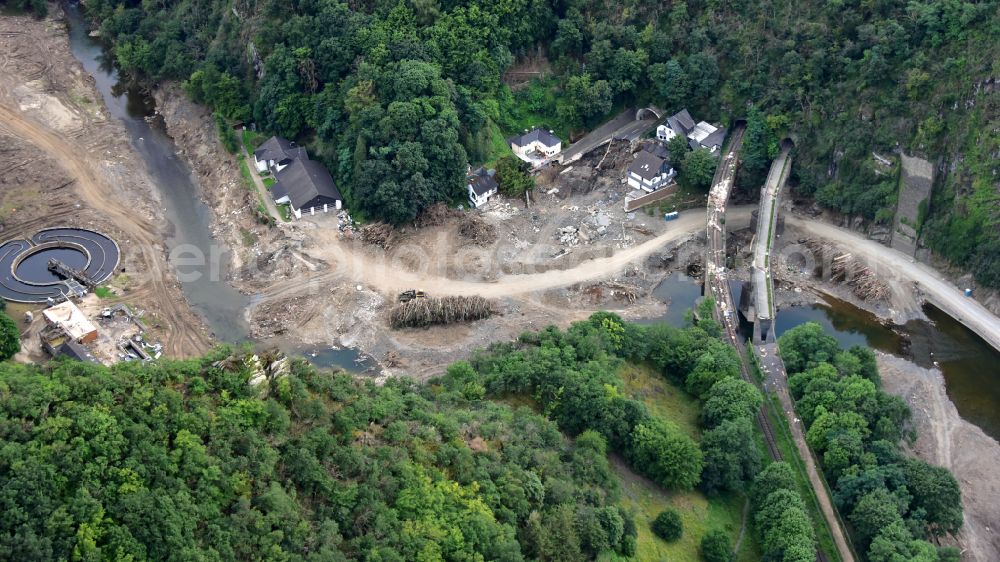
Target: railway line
<point>726,313</point>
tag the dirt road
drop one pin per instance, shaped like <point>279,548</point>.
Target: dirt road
<point>94,191</point>
<point>386,276</point>
<point>891,265</point>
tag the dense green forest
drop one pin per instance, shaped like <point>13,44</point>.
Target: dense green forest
<point>396,95</point>
<point>185,460</point>
<point>894,503</point>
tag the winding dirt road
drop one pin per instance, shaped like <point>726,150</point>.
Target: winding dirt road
<point>889,263</point>
<point>180,339</point>
<point>386,275</point>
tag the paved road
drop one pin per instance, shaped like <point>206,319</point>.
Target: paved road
<point>936,289</point>
<point>262,191</point>
<point>624,126</point>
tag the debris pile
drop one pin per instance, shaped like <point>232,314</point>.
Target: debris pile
<point>845,268</point>
<point>378,234</point>
<point>424,312</point>
<point>478,231</point>
<point>435,215</point>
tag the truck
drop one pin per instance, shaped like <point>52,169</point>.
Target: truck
<point>671,215</point>
<point>407,296</point>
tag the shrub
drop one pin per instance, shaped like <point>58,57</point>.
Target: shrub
<point>10,338</point>
<point>715,547</point>
<point>668,526</point>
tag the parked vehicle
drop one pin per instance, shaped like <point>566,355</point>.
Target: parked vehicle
<point>671,216</point>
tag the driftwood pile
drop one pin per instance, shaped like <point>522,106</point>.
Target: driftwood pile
<point>422,312</point>
<point>378,234</point>
<point>845,268</point>
<point>478,231</point>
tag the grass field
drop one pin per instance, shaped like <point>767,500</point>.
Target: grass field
<point>645,500</point>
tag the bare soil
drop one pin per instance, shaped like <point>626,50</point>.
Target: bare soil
<point>66,162</point>
<point>945,439</point>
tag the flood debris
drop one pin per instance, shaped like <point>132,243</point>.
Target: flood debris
<point>419,313</point>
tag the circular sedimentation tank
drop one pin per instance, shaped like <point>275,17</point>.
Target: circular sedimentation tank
<point>24,264</point>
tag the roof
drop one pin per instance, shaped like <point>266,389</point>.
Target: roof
<point>76,351</point>
<point>702,130</point>
<point>656,149</point>
<point>71,319</point>
<point>681,122</point>
<point>483,181</point>
<point>715,139</point>
<point>304,180</point>
<point>536,134</point>
<point>646,165</point>
<point>278,149</point>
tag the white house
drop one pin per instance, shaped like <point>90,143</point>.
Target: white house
<point>482,184</point>
<point>700,135</point>
<point>307,187</point>
<point>650,171</point>
<point>276,153</point>
<point>535,146</point>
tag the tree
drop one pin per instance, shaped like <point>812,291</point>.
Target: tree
<point>874,511</point>
<point>759,147</point>
<point>678,148</point>
<point>697,169</point>
<point>806,346</point>
<point>668,525</point>
<point>583,100</point>
<point>666,455</point>
<point>936,492</point>
<point>715,546</point>
<point>730,399</point>
<point>731,456</point>
<point>10,337</point>
<point>513,176</point>
<point>671,82</point>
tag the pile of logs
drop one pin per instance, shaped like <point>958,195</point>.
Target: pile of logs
<point>423,312</point>
<point>845,268</point>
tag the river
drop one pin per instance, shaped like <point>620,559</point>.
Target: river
<point>971,367</point>
<point>201,262</point>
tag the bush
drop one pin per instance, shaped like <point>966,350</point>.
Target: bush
<point>10,338</point>
<point>715,546</point>
<point>227,136</point>
<point>668,526</point>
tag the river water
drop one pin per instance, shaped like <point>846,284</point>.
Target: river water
<point>971,367</point>
<point>201,262</point>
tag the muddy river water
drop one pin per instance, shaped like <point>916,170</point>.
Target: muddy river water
<point>201,261</point>
<point>971,367</point>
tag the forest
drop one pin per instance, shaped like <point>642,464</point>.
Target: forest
<point>396,96</point>
<point>894,504</point>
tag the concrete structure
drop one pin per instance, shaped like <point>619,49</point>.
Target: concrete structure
<point>481,185</point>
<point>629,125</point>
<point>72,321</point>
<point>760,309</point>
<point>535,146</point>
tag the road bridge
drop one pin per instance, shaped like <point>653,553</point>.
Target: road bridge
<point>760,309</point>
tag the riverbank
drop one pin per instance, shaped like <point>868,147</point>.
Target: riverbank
<point>68,163</point>
<point>945,439</point>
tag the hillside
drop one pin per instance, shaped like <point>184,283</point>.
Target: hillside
<point>396,96</point>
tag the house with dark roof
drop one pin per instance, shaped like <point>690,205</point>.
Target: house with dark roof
<point>307,187</point>
<point>650,171</point>
<point>481,184</point>
<point>699,135</point>
<point>275,153</point>
<point>535,146</point>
